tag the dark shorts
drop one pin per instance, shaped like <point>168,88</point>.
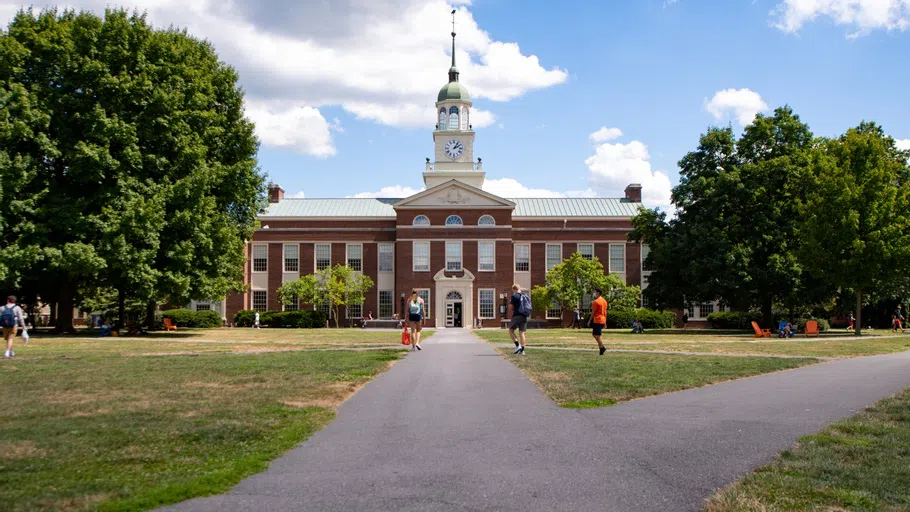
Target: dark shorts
<point>415,318</point>
<point>519,322</point>
<point>598,329</point>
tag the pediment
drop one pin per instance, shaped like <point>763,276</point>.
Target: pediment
<point>454,193</point>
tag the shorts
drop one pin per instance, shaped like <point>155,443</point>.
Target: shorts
<point>519,322</point>
<point>10,332</point>
<point>415,318</point>
<point>598,329</point>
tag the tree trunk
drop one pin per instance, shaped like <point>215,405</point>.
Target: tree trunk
<point>858,326</point>
<point>766,313</point>
<point>52,318</point>
<point>335,309</point>
<point>150,314</point>
<point>121,309</point>
<point>64,312</point>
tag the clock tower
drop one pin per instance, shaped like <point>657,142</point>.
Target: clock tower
<point>454,135</point>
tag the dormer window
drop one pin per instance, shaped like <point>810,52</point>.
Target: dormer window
<point>454,220</point>
<point>486,220</point>
<point>453,118</point>
<point>421,220</point>
<point>442,119</point>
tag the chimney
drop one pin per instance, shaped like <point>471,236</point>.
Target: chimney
<point>276,193</point>
<point>633,193</point>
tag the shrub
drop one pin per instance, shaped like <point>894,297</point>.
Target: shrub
<point>187,318</point>
<point>649,318</point>
<point>304,319</point>
<point>734,319</point>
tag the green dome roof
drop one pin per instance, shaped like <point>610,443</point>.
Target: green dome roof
<point>453,91</point>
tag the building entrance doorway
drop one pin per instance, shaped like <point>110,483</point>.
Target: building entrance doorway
<point>454,310</point>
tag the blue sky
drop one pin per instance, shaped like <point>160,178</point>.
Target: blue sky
<point>342,92</point>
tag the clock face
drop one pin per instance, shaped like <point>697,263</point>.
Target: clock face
<point>454,148</point>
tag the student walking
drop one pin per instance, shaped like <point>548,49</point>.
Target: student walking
<point>852,321</point>
<point>11,318</point>
<point>576,319</point>
<point>256,320</point>
<point>415,319</point>
<point>521,310</point>
<point>599,318</point>
<point>898,318</point>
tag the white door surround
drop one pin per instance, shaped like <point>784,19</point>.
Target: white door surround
<point>463,285</point>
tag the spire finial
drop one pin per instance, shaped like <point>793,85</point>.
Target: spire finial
<point>453,71</point>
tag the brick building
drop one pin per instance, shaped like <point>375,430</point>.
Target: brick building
<point>459,245</point>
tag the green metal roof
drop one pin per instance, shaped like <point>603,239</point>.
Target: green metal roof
<point>453,91</point>
<point>382,207</point>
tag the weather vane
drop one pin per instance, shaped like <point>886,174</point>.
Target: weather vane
<point>453,22</point>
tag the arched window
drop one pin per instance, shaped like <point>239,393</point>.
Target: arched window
<point>486,220</point>
<point>464,118</point>
<point>453,295</point>
<point>454,220</point>
<point>421,220</point>
<point>442,119</point>
<point>453,118</point>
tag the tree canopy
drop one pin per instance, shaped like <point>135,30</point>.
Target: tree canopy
<point>336,286</point>
<point>125,161</point>
<point>570,281</point>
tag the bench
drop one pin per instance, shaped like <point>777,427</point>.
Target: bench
<point>382,324</point>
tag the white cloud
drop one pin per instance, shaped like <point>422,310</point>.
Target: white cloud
<point>605,134</point>
<point>863,15</point>
<point>391,192</point>
<point>743,104</point>
<point>902,144</point>
<point>511,188</point>
<point>383,60</point>
<point>302,129</point>
<point>615,166</point>
<point>298,195</point>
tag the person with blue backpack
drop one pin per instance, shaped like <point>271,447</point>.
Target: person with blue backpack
<point>521,310</point>
<point>11,317</point>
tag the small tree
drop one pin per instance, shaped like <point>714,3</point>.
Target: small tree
<point>570,280</point>
<point>856,218</point>
<point>338,285</point>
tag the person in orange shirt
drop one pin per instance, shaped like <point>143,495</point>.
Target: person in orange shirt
<point>599,318</point>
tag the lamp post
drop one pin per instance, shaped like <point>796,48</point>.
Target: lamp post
<point>402,307</point>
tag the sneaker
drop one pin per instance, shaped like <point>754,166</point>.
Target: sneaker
<point>516,344</point>
<point>418,346</point>
<point>522,351</point>
<point>6,354</point>
<point>519,350</point>
<point>602,350</point>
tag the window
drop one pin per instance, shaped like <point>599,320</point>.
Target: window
<point>705,309</point>
<point>522,258</point>
<point>355,311</point>
<point>486,256</point>
<point>618,258</point>
<point>721,307</point>
<point>453,295</point>
<point>294,304</point>
<point>453,118</point>
<point>386,258</point>
<point>644,301</point>
<point>464,118</point>
<point>386,304</point>
<point>554,255</point>
<point>421,256</point>
<point>453,256</point>
<point>421,220</point>
<point>554,311</point>
<point>355,257</point>
<point>325,308</point>
<point>203,306</point>
<point>587,251</point>
<point>292,258</point>
<point>260,258</point>
<point>486,220</point>
<point>486,300</point>
<point>442,119</point>
<point>645,250</point>
<point>454,220</point>
<point>585,310</point>
<point>424,293</point>
<point>260,300</point>
<point>691,310</point>
<point>323,256</point>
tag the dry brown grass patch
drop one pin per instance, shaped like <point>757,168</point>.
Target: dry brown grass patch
<point>21,450</point>
<point>80,503</point>
<point>328,396</point>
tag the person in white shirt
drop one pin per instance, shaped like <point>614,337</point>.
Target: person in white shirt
<point>256,320</point>
<point>11,318</point>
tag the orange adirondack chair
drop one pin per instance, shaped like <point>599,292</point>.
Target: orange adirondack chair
<point>811,328</point>
<point>759,332</point>
<point>168,325</point>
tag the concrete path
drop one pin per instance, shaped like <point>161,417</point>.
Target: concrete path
<point>458,427</point>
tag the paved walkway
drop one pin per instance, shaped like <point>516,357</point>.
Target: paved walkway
<point>457,427</point>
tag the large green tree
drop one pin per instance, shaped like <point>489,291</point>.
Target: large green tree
<point>734,236</point>
<point>568,282</point>
<point>855,229</point>
<point>125,161</point>
<point>337,286</point>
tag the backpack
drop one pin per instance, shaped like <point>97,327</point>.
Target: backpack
<point>8,317</point>
<point>525,308</point>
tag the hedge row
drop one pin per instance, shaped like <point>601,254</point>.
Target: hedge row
<point>306,319</point>
<point>743,320</point>
<point>187,318</point>
<point>649,318</point>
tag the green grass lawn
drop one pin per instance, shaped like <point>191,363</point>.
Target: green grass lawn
<point>583,379</point>
<point>721,344</point>
<point>93,430</point>
<point>861,463</point>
